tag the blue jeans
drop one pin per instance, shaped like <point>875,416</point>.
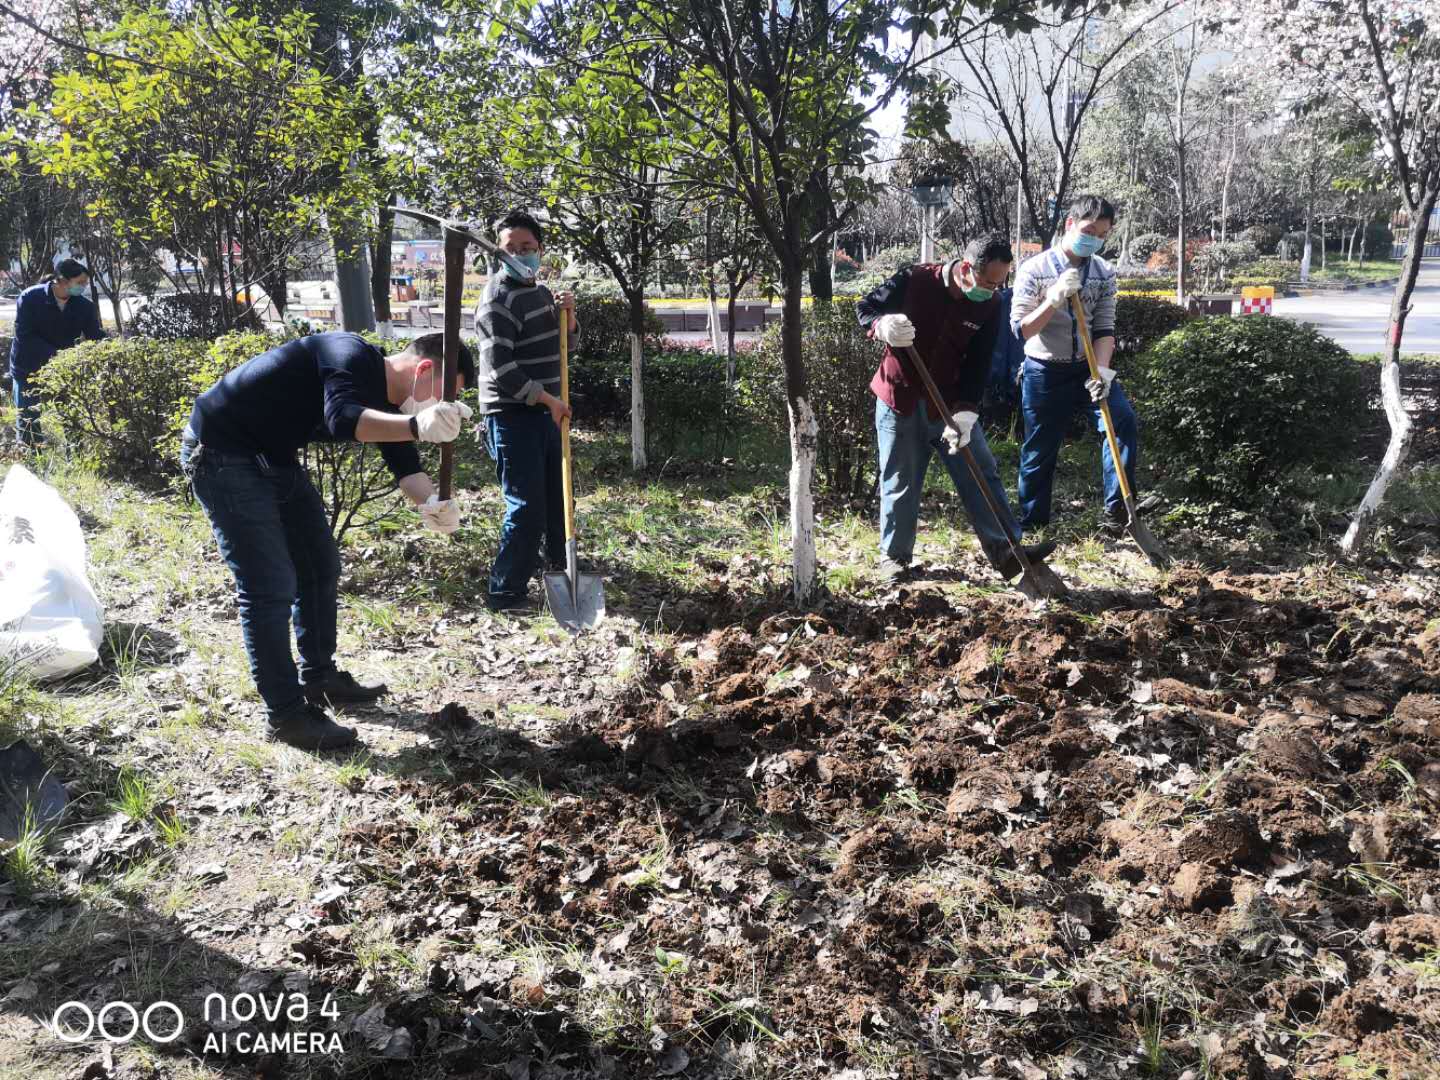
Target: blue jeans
<point>273,534</point>
<point>27,412</point>
<point>525,444</point>
<point>1049,396</point>
<point>906,443</point>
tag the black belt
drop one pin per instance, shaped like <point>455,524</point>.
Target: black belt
<point>225,457</point>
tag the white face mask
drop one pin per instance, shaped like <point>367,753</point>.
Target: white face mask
<point>410,406</point>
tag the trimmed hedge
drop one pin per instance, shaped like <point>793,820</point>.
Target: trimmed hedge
<point>117,399</point>
<point>1234,403</point>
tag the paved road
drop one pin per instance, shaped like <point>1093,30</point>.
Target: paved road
<point>1358,320</point>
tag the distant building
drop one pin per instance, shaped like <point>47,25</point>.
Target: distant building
<point>1400,226</point>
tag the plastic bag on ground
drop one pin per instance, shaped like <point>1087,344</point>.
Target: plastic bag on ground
<point>50,618</point>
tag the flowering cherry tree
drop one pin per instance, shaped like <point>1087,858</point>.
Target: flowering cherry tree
<point>1378,60</point>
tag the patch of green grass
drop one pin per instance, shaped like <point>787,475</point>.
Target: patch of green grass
<point>134,796</point>
<point>172,829</point>
<point>352,773</point>
<point>521,792</point>
<point>25,862</point>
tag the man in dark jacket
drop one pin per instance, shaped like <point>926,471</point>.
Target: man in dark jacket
<point>241,451</point>
<point>949,313</point>
<point>49,317</point>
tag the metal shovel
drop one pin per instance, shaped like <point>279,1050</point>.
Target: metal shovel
<point>577,601</point>
<point>1144,538</point>
<point>1037,580</point>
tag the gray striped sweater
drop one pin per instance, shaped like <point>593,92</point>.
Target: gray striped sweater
<point>519,344</point>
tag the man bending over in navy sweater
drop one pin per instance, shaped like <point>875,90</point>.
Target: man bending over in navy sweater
<point>241,454</point>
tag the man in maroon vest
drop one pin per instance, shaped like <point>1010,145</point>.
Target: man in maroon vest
<point>950,314</point>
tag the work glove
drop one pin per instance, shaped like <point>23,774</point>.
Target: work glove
<point>955,440</point>
<point>439,515</point>
<point>895,330</point>
<point>441,421</point>
<point>1099,389</point>
<point>1066,286</point>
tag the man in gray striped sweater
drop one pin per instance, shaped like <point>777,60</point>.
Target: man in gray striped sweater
<point>519,378</point>
<point>1056,380</point>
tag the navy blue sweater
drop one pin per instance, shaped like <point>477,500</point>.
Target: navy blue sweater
<point>312,389</point>
<point>43,328</point>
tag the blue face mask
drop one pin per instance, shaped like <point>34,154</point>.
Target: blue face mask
<point>75,290</point>
<point>531,262</point>
<point>1084,245</point>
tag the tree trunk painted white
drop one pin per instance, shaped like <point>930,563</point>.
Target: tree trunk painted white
<point>804,432</point>
<point>1305,260</point>
<point>1401,429</point>
<point>637,402</point>
<point>715,331</point>
<point>386,330</point>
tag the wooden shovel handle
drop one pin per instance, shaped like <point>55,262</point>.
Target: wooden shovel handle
<point>450,364</point>
<point>566,470</point>
<point>1079,311</point>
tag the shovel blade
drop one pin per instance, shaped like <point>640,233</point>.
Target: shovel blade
<point>580,610</point>
<point>30,795</point>
<point>1042,583</point>
<point>1145,539</point>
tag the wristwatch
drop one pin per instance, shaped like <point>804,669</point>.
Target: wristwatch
<point>414,428</point>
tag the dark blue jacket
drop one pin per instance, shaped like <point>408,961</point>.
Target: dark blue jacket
<point>1009,355</point>
<point>42,328</point>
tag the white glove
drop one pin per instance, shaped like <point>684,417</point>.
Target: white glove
<point>441,421</point>
<point>895,330</point>
<point>1066,286</point>
<point>439,516</point>
<point>954,440</point>
<point>1100,388</point>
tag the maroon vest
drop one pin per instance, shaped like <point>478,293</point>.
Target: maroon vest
<point>944,325</point>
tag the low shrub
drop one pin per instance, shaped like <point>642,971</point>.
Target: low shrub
<point>1234,403</point>
<point>605,329</point>
<point>840,360</point>
<point>1276,273</point>
<point>1215,262</point>
<point>116,400</point>
<point>192,317</point>
<point>1146,245</point>
<point>1140,321</point>
<point>1263,237</point>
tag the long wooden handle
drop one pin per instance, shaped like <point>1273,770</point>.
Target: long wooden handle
<point>566,472</point>
<point>1079,311</point>
<point>450,364</point>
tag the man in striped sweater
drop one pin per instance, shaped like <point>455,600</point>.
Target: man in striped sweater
<point>519,330</point>
<point>1056,379</point>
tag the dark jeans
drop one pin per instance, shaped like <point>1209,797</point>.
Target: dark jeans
<point>274,535</point>
<point>525,444</point>
<point>1050,394</point>
<point>27,412</point>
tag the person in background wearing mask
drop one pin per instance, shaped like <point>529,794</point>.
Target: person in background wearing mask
<point>950,314</point>
<point>50,317</point>
<point>519,330</point>
<point>240,452</point>
<point>1056,379</point>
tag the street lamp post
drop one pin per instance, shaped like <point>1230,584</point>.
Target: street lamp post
<point>930,193</point>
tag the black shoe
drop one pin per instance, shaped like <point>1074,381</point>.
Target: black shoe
<point>1010,566</point>
<point>1115,525</point>
<point>307,727</point>
<point>499,602</point>
<point>342,688</point>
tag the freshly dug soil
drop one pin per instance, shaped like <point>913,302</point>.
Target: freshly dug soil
<point>1193,828</point>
